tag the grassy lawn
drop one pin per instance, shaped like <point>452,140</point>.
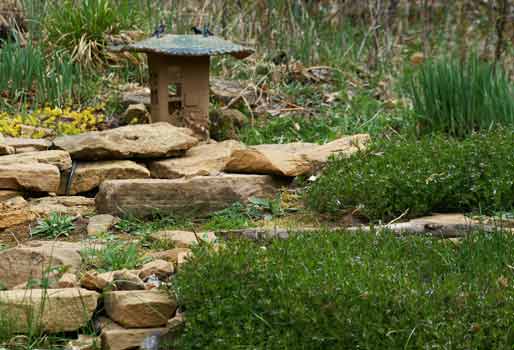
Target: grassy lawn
<point>351,291</point>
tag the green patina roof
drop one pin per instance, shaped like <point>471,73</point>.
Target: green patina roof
<point>187,45</point>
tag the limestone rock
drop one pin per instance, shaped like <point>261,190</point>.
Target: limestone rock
<point>14,211</point>
<point>113,280</point>
<point>182,258</point>
<point>184,239</point>
<point>345,146</point>
<point>201,195</point>
<point>202,160</point>
<point>29,131</point>
<point>293,159</point>
<point>139,309</point>
<point>170,255</point>
<point>68,280</point>
<point>60,159</point>
<point>132,141</point>
<point>129,339</point>
<point>160,268</point>
<point>54,310</point>
<point>19,264</point>
<point>281,159</point>
<point>22,145</point>
<point>89,175</point>
<point>8,194</point>
<point>65,205</point>
<point>37,177</point>
<point>100,224</point>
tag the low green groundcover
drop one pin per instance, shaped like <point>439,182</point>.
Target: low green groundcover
<point>416,177</point>
<point>351,291</point>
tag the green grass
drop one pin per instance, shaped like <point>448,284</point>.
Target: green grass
<point>54,226</point>
<point>461,98</point>
<point>416,177</point>
<point>30,77</point>
<point>350,291</point>
<point>112,256</point>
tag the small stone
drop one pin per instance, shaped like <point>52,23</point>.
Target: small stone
<point>181,239</point>
<point>182,258</point>
<point>136,112</point>
<point>84,342</point>
<point>114,280</point>
<point>140,309</point>
<point>29,131</point>
<point>68,280</point>
<point>100,224</point>
<point>160,268</point>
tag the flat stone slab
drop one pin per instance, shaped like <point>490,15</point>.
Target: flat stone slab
<point>53,310</point>
<point>22,145</point>
<point>140,309</point>
<point>293,159</point>
<point>157,140</point>
<point>128,339</point>
<point>89,175</point>
<point>202,160</point>
<point>60,159</point>
<point>65,205</point>
<point>36,177</point>
<point>200,196</point>
<point>100,224</point>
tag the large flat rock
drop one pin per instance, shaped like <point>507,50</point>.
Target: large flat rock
<point>129,339</point>
<point>34,261</point>
<point>197,196</point>
<point>140,309</point>
<point>293,159</point>
<point>60,159</point>
<point>52,310</point>
<point>158,140</point>
<point>89,175</point>
<point>36,177</point>
<point>202,160</point>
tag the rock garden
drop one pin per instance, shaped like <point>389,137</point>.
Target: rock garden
<point>339,187</point>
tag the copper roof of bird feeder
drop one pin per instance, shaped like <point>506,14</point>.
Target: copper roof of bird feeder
<point>188,45</point>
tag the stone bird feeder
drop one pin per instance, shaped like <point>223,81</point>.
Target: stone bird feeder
<point>181,63</point>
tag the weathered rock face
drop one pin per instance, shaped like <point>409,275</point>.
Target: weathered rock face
<point>156,140</point>
<point>202,160</point>
<point>68,280</point>
<point>19,264</point>
<point>37,177</point>
<point>8,194</point>
<point>22,145</point>
<point>199,195</point>
<point>60,159</point>
<point>54,310</point>
<point>128,339</point>
<point>14,211</point>
<point>285,160</point>
<point>65,205</point>
<point>100,224</point>
<point>89,175</point>
<point>292,159</point>
<point>139,309</point>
